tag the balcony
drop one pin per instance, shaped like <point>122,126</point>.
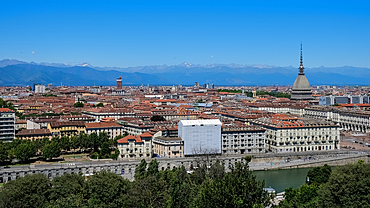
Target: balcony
<point>8,129</point>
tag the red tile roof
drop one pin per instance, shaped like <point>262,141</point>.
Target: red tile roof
<point>102,125</point>
<point>146,134</point>
<point>125,139</point>
<point>5,110</point>
<point>30,132</point>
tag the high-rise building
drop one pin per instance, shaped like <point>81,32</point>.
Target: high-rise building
<point>119,83</point>
<point>301,87</point>
<point>39,88</point>
<point>6,125</point>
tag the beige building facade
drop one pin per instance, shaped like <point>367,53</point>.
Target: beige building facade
<point>135,147</point>
<point>168,147</point>
<point>300,135</point>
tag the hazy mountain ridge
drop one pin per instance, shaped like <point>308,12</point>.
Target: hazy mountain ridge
<point>14,72</point>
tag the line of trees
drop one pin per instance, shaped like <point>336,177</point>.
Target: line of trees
<point>346,186</point>
<point>212,187</point>
<point>99,146</point>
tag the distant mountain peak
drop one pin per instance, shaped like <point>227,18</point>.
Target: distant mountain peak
<point>84,65</point>
<point>185,73</point>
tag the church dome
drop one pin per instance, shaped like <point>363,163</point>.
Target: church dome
<point>301,83</point>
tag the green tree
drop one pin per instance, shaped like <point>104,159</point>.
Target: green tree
<point>3,153</point>
<point>105,151</point>
<point>181,189</point>
<point>100,105</point>
<point>25,150</point>
<point>75,142</point>
<point>64,143</point>
<point>51,150</point>
<point>11,154</point>
<point>28,191</point>
<point>140,171</point>
<point>94,139</point>
<point>304,196</point>
<point>348,186</point>
<point>85,141</point>
<point>319,175</point>
<point>78,105</point>
<point>238,188</point>
<point>217,170</point>
<point>115,155</point>
<point>106,189</point>
<point>103,137</point>
<point>67,191</point>
<point>150,191</point>
<point>153,168</point>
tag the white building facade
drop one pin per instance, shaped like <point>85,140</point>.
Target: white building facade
<point>39,88</point>
<point>200,136</point>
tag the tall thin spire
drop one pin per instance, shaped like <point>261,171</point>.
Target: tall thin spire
<point>301,68</point>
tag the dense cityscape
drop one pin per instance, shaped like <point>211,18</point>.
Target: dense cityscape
<point>200,129</point>
<point>184,104</point>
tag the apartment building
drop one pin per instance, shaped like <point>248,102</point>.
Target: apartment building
<point>292,134</point>
<point>347,119</point>
<point>139,146</point>
<point>112,128</point>
<point>7,131</point>
<point>66,128</point>
<point>238,138</point>
<point>168,147</point>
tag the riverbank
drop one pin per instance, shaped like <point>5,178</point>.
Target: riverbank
<point>308,160</point>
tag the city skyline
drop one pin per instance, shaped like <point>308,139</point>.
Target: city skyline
<point>129,34</point>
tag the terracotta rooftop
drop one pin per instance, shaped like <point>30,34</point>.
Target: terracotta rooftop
<point>101,125</point>
<point>6,110</point>
<point>125,139</point>
<point>67,123</point>
<point>31,132</point>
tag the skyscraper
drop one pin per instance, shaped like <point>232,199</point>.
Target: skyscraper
<point>301,88</point>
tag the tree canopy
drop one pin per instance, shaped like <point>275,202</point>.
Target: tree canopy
<point>78,105</point>
<point>151,188</point>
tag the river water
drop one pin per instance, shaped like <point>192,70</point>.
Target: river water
<point>282,179</point>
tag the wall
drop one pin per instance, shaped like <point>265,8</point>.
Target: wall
<point>127,168</point>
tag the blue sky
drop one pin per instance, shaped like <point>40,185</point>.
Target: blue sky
<point>136,33</point>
